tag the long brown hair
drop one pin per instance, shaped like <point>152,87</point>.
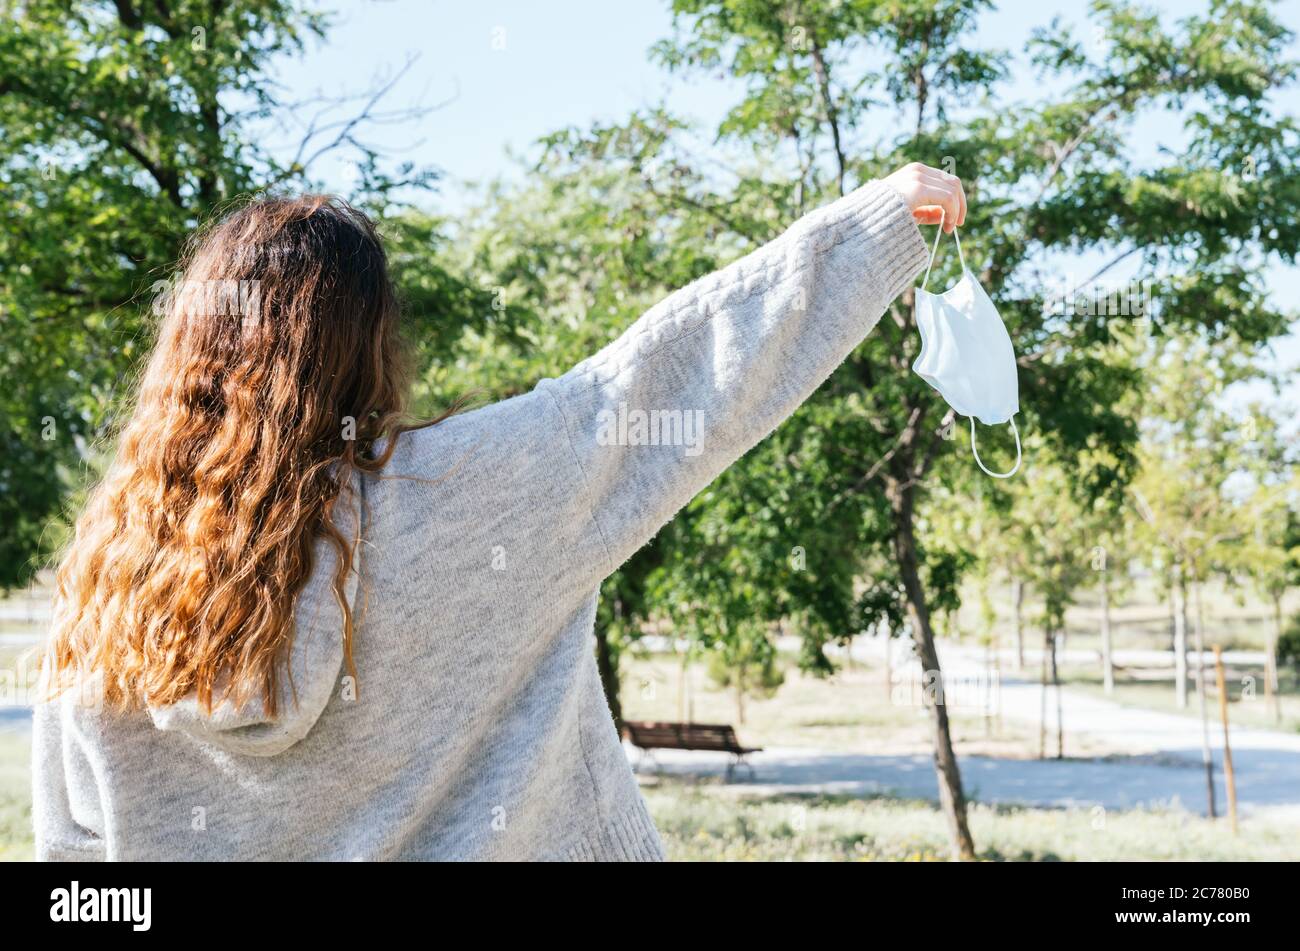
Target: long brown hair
<point>246,428</point>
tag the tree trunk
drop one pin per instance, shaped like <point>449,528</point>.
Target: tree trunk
<point>1270,662</point>
<point>1179,591</point>
<point>1107,657</point>
<point>609,676</point>
<point>951,798</point>
<point>989,654</point>
<point>1042,698</point>
<point>681,690</point>
<point>1060,717</point>
<point>1017,604</point>
<point>1206,758</point>
<point>995,695</point>
<point>690,697</point>
<point>832,114</point>
<point>889,661</point>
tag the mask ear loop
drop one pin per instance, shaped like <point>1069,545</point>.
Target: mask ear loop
<point>975,450</point>
<point>935,249</point>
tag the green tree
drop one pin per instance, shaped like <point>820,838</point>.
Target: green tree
<point>1044,177</point>
<point>1053,529</point>
<point>1114,549</point>
<point>1191,449</point>
<point>123,125</point>
<point>1268,552</point>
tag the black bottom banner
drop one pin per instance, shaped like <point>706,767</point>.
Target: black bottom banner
<point>983,900</point>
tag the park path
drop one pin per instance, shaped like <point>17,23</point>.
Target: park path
<point>1112,783</point>
<point>1158,763</point>
<point>1117,726</point>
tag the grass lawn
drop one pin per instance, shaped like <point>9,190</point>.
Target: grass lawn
<point>15,797</point>
<point>702,824</point>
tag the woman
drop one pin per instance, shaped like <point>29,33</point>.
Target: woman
<point>291,627</point>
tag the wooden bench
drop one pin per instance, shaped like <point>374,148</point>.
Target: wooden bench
<point>719,738</point>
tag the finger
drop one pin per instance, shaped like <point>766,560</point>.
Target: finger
<point>928,215</point>
<point>945,196</point>
<point>952,183</point>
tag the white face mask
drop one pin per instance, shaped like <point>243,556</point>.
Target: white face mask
<point>966,353</point>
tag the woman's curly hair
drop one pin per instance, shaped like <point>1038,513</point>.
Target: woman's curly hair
<point>278,366</point>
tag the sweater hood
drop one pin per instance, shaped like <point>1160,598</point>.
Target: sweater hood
<point>314,669</point>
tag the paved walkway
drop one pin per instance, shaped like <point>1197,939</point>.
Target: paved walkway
<point>1160,763</point>
<point>1265,779</point>
<point>1119,727</point>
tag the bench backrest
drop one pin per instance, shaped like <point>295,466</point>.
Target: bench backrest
<point>682,736</point>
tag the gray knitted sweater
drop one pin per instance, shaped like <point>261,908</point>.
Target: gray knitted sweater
<point>478,728</point>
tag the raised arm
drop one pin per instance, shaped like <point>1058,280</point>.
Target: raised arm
<point>704,375</point>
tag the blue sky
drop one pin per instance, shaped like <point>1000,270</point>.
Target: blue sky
<point>510,72</point>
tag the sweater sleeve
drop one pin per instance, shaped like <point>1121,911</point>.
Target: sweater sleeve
<point>705,374</point>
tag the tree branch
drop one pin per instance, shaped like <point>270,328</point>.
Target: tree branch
<point>832,114</point>
<point>904,438</point>
<point>116,133</point>
<point>346,127</point>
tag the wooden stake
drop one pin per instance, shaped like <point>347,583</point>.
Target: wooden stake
<point>1227,750</point>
